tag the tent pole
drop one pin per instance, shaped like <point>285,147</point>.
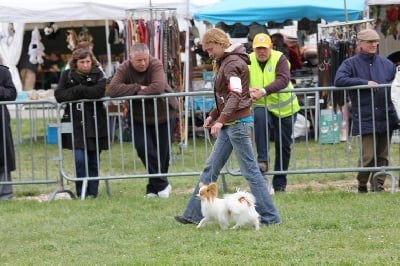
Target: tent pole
<point>109,64</point>
<point>186,73</point>
<point>346,17</point>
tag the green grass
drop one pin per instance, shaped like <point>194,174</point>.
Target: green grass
<point>320,228</point>
<point>324,221</point>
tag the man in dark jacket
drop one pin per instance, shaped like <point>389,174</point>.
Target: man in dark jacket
<point>8,92</point>
<point>373,114</point>
<point>143,74</point>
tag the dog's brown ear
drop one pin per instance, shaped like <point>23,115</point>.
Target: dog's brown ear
<point>212,185</point>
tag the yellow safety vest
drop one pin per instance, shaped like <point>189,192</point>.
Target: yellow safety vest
<point>280,104</point>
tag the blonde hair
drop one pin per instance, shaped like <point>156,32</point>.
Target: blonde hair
<point>215,35</point>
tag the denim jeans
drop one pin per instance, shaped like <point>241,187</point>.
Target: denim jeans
<point>93,170</point>
<point>281,129</point>
<point>237,138</point>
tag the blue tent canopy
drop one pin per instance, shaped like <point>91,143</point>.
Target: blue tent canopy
<point>247,12</point>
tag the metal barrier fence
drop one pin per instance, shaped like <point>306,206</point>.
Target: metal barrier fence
<point>37,125</point>
<point>35,157</point>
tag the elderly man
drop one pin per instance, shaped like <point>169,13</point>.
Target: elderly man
<point>369,107</point>
<point>269,74</point>
<point>144,74</point>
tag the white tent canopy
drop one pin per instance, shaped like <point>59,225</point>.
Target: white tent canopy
<point>25,11</point>
<point>60,10</point>
<point>382,2</point>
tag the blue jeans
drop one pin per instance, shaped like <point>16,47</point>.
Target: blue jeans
<point>281,130</point>
<point>93,170</point>
<point>237,138</point>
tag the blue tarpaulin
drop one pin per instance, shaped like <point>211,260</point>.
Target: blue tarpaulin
<point>263,11</point>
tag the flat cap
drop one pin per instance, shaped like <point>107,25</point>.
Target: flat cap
<point>368,35</point>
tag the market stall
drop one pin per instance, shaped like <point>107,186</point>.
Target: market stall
<point>247,12</point>
<point>306,13</point>
<point>17,13</point>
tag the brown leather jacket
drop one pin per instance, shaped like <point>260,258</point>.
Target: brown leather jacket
<point>230,105</point>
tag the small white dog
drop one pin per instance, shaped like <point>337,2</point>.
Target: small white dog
<point>238,207</point>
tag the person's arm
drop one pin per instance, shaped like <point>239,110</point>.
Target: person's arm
<point>344,76</point>
<point>282,77</point>
<point>395,92</point>
<point>8,92</point>
<point>90,88</point>
<point>120,84</point>
<point>93,87</point>
<point>157,78</point>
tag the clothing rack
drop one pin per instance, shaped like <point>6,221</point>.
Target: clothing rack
<point>150,13</point>
<point>161,34</point>
<point>354,22</point>
<point>343,30</point>
<point>338,42</point>
<point>159,29</point>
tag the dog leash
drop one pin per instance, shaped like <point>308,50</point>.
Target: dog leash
<point>208,139</point>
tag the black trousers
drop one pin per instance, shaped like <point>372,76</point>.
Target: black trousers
<point>152,145</point>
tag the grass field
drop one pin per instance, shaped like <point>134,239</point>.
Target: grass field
<point>325,222</point>
<point>324,225</point>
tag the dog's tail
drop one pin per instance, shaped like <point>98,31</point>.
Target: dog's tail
<point>239,201</point>
<point>246,198</point>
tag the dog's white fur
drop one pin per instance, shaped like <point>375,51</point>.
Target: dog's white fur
<point>238,207</point>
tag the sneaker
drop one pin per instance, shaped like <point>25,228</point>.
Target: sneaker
<point>263,167</point>
<point>151,195</point>
<point>183,220</point>
<point>165,193</point>
<point>362,189</point>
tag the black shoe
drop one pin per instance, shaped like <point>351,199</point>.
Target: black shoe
<point>362,189</point>
<point>279,190</point>
<point>378,189</point>
<point>183,220</point>
<point>270,223</point>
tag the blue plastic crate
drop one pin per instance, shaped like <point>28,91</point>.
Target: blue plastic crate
<point>208,75</point>
<point>52,134</point>
<point>203,104</point>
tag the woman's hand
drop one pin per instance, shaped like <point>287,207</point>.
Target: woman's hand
<point>215,129</point>
<point>208,122</point>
